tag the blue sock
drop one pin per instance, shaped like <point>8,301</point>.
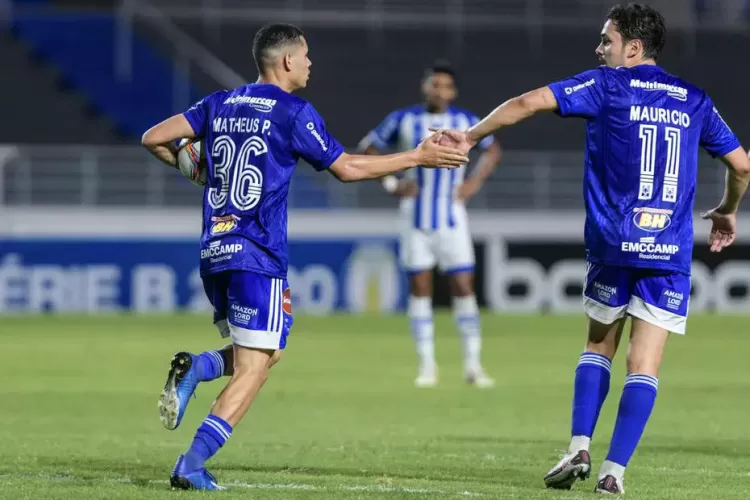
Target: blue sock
<point>211,435</point>
<point>591,389</point>
<point>636,405</point>
<point>210,366</point>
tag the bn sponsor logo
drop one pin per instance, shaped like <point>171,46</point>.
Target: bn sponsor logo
<point>652,220</point>
<point>223,226</point>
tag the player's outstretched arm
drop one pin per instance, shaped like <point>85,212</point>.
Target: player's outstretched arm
<point>508,113</point>
<point>723,217</point>
<point>429,153</point>
<point>159,139</point>
<point>392,184</point>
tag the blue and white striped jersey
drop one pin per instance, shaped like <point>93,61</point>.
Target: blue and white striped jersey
<point>403,130</point>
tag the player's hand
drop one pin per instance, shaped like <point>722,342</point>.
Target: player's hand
<point>432,154</point>
<point>456,139</point>
<point>467,190</point>
<point>723,229</point>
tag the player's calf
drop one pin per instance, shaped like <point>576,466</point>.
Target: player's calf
<point>591,387</point>
<point>647,343</point>
<point>466,314</point>
<point>592,380</point>
<point>251,368</point>
<point>423,332</point>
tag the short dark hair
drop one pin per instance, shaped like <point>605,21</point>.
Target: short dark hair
<point>273,36</point>
<point>443,67</point>
<point>637,21</point>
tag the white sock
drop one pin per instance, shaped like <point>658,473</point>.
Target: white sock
<point>612,469</point>
<point>578,443</point>
<point>423,330</point>
<point>466,313</point>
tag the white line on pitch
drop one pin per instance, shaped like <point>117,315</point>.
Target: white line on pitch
<point>372,488</point>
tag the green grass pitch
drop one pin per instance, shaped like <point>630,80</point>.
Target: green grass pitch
<point>340,419</point>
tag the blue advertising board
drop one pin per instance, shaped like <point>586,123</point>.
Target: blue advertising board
<point>92,276</point>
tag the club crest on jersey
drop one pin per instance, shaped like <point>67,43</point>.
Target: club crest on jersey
<point>286,301</point>
<point>652,220</point>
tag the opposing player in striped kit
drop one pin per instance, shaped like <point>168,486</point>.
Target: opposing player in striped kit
<point>434,222</point>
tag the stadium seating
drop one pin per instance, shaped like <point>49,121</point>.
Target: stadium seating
<point>30,94</point>
<point>81,48</point>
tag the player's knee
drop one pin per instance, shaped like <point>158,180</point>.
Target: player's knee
<point>274,359</point>
<point>644,360</point>
<point>252,363</point>
<point>251,373</point>
<point>462,285</point>
<point>605,349</point>
<point>604,338</point>
<point>643,364</point>
<point>647,342</point>
<point>421,284</point>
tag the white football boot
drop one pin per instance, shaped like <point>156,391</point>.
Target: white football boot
<point>571,466</point>
<point>478,378</point>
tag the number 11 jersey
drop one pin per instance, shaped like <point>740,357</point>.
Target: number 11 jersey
<point>644,128</point>
<point>253,137</point>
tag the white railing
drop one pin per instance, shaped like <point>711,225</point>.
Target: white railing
<point>128,176</point>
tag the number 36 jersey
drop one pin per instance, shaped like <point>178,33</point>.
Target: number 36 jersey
<point>643,132</point>
<point>253,137</point>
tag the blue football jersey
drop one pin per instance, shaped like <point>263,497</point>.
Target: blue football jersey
<point>253,137</point>
<point>644,128</point>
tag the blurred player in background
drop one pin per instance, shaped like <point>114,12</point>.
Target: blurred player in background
<point>254,136</point>
<point>644,129</point>
<point>434,225</point>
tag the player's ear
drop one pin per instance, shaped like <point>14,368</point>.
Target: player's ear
<point>634,48</point>
<point>288,61</point>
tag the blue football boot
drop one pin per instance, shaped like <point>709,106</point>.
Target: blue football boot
<point>199,479</point>
<point>181,383</point>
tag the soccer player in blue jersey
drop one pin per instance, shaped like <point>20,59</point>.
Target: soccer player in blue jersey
<point>644,130</point>
<point>434,221</point>
<point>253,136</point>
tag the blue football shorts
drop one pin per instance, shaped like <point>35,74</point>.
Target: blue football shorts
<point>656,296</point>
<point>254,310</point>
